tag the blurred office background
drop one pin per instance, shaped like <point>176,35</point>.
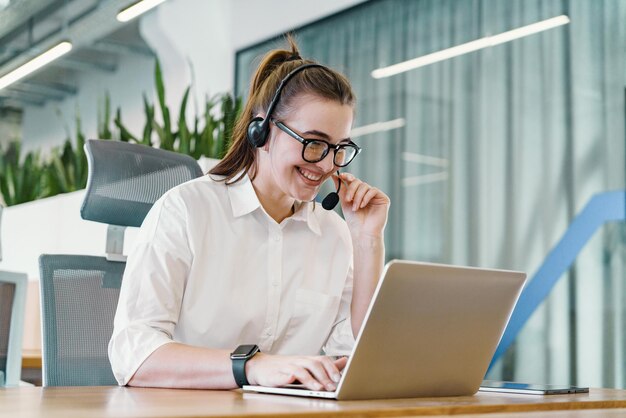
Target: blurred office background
<point>487,156</point>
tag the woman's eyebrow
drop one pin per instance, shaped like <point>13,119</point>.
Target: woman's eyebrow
<point>323,135</point>
<point>317,133</point>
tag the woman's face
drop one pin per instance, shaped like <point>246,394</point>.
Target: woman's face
<point>310,117</point>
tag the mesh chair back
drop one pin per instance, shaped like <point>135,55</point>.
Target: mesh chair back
<point>12,309</point>
<point>7,295</point>
<point>79,297</point>
<point>126,179</point>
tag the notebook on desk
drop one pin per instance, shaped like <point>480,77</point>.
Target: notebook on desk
<point>431,330</point>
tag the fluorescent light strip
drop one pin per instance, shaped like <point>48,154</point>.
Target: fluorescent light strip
<point>424,179</point>
<point>414,157</point>
<point>481,43</point>
<point>136,9</point>
<point>35,63</point>
<point>377,127</point>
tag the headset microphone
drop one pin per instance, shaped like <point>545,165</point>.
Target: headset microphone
<point>332,198</point>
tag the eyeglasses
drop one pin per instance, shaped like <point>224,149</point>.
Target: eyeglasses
<point>315,150</point>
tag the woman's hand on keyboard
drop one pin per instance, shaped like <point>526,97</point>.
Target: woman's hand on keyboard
<point>320,373</point>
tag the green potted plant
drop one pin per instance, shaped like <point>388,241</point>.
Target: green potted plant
<point>209,136</point>
<point>21,179</point>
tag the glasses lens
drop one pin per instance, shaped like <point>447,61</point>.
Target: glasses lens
<point>315,151</point>
<point>344,155</point>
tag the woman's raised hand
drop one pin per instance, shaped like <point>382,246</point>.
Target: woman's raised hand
<point>365,207</point>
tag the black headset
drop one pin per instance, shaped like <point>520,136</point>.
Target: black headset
<point>259,128</point>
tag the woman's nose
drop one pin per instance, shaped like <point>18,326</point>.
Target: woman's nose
<point>328,163</point>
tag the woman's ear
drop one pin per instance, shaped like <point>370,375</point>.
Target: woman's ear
<point>270,138</point>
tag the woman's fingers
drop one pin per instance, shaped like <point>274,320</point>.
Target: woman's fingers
<point>303,376</point>
<point>356,192</point>
<point>350,184</point>
<point>367,197</point>
<point>359,193</point>
<point>341,362</point>
<point>317,373</point>
<point>316,367</point>
<point>332,369</point>
<point>347,177</point>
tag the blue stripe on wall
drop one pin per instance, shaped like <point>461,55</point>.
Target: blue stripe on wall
<point>602,208</point>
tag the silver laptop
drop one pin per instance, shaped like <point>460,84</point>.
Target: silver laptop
<point>431,330</point>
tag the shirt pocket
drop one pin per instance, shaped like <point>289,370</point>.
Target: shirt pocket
<point>312,320</point>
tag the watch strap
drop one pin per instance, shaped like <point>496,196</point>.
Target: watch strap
<point>239,371</point>
<point>238,358</point>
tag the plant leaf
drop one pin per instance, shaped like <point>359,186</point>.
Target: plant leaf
<point>147,130</point>
<point>125,135</point>
<point>167,139</point>
<point>184,136</point>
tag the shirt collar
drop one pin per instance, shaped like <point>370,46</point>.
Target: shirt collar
<point>243,200</point>
<point>305,212</point>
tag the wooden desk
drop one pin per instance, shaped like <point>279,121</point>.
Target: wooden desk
<point>31,359</point>
<point>117,402</point>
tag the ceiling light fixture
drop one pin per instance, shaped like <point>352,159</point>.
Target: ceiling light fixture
<point>137,9</point>
<point>36,63</point>
<point>377,127</point>
<point>414,157</point>
<point>481,43</point>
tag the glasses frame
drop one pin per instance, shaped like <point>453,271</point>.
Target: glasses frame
<point>305,142</point>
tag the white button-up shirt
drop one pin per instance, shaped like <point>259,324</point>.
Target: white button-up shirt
<point>211,268</point>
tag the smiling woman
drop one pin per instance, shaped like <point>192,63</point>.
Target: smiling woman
<point>247,242</point>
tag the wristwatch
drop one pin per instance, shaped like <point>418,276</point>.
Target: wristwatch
<point>239,357</point>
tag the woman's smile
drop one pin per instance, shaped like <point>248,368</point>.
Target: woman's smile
<point>310,178</point>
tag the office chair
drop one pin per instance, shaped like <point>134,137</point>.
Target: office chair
<point>12,310</point>
<point>79,293</point>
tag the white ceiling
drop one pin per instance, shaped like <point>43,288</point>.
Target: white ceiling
<point>29,27</point>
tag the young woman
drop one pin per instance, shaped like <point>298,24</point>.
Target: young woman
<point>244,261</point>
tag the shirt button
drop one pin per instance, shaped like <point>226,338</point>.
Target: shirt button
<point>276,237</point>
<point>274,284</point>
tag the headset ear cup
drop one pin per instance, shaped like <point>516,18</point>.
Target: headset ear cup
<point>257,132</point>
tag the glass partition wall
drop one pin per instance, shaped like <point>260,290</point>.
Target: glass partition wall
<point>489,154</point>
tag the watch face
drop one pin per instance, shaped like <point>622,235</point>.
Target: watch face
<point>244,351</point>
